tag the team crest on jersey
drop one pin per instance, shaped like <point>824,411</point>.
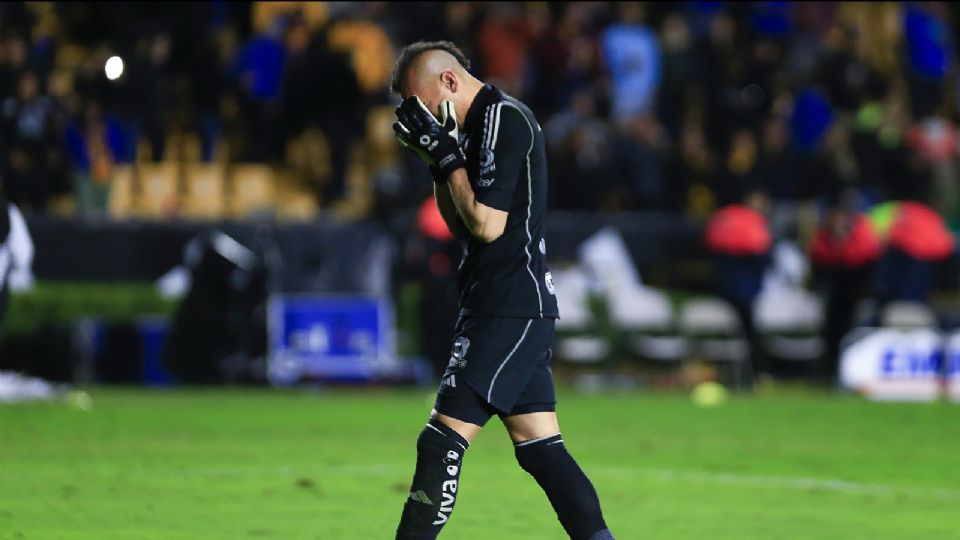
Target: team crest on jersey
<point>458,356</point>
<point>486,157</point>
<point>486,161</point>
<point>548,280</point>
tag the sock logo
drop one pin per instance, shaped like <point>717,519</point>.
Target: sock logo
<point>449,488</point>
<point>420,496</point>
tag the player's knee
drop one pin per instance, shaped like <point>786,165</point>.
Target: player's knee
<point>535,454</point>
<point>439,439</point>
<point>526,461</point>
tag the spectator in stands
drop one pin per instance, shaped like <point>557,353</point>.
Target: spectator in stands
<point>148,94</point>
<point>321,91</point>
<point>722,59</point>
<point>584,152</point>
<point>258,69</point>
<point>640,147</point>
<point>93,141</point>
<point>917,242</point>
<point>503,45</point>
<point>681,67</point>
<point>928,47</point>
<point>208,85</point>
<point>738,173</point>
<point>31,141</point>
<point>13,63</point>
<point>633,60</point>
<point>844,251</point>
<point>691,172</point>
<point>777,169</point>
<point>738,237</point>
<point>935,142</point>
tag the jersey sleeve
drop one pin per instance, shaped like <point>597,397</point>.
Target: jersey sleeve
<point>505,145</point>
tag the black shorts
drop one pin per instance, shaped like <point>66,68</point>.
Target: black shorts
<point>498,365</point>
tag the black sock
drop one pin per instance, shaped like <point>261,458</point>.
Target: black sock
<point>433,491</point>
<point>569,490</point>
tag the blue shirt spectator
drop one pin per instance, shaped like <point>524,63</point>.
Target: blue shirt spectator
<point>811,119</point>
<point>927,39</point>
<point>632,55</point>
<point>260,65</point>
<point>75,137</point>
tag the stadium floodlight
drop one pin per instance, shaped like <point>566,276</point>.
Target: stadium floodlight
<point>113,68</point>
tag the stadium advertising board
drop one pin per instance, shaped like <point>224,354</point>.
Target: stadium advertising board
<point>341,338</point>
<point>952,367</point>
<point>904,365</point>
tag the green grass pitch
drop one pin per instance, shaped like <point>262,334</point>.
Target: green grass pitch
<point>260,464</point>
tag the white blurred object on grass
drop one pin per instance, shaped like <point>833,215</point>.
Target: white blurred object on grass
<point>15,388</point>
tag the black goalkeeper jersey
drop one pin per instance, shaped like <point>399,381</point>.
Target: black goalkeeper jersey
<point>507,167</point>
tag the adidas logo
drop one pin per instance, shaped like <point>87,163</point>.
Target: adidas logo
<point>450,381</point>
<point>421,497</point>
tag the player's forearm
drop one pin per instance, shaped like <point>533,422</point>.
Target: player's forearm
<point>449,212</point>
<point>475,215</point>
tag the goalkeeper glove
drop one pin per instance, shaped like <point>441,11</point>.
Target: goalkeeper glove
<point>435,142</point>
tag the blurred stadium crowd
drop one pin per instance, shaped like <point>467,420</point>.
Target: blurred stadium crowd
<point>833,126</point>
<point>663,106</point>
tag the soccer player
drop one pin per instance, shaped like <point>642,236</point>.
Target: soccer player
<point>486,153</point>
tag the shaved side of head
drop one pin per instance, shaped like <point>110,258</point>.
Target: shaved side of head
<point>429,65</point>
<point>425,58</point>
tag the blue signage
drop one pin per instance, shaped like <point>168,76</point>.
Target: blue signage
<point>329,337</point>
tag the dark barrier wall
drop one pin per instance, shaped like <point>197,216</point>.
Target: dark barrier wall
<point>134,251</point>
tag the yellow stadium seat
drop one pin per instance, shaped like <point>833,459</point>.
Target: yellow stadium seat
<point>297,205</point>
<point>204,196</point>
<point>264,13</point>
<point>252,189</point>
<point>121,192</point>
<point>159,190</point>
<point>369,48</point>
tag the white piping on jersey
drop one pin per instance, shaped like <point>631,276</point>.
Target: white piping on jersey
<point>526,248</point>
<point>507,359</point>
<point>487,124</point>
<point>496,126</point>
<point>491,126</point>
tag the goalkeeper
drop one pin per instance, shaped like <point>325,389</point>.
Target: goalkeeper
<point>486,153</point>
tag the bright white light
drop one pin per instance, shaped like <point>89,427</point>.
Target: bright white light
<point>114,68</point>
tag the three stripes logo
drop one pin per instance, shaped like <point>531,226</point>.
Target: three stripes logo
<point>421,497</point>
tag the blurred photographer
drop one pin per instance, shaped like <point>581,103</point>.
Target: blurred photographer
<point>16,254</point>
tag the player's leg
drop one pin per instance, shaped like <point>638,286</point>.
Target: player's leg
<point>458,416</point>
<point>540,451</point>
<point>433,490</point>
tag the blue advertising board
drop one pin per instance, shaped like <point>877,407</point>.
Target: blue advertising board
<point>346,338</point>
<point>920,364</point>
